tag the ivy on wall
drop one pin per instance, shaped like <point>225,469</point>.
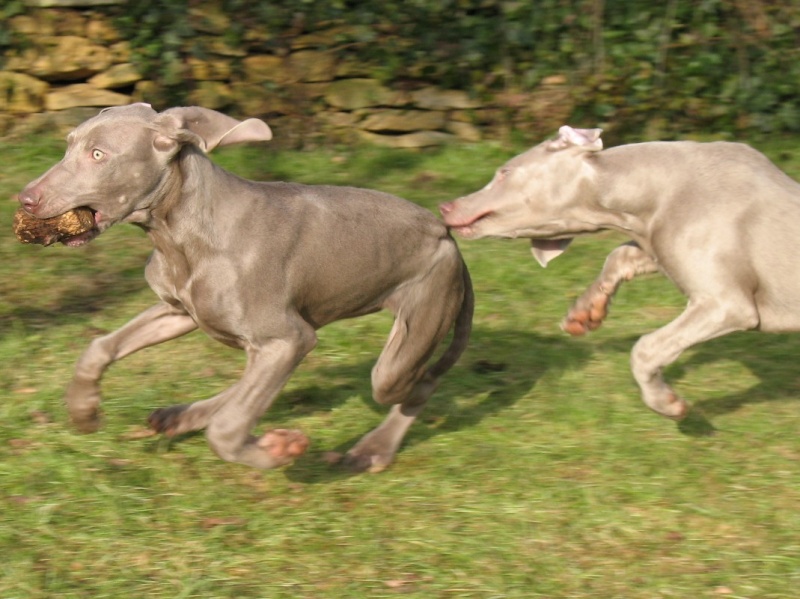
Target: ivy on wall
<point>10,8</point>
<point>713,64</point>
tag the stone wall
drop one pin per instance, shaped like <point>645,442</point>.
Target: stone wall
<point>74,61</point>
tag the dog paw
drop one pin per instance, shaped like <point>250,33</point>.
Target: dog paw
<point>283,445</point>
<point>86,422</point>
<point>575,324</point>
<point>83,399</point>
<point>669,404</point>
<point>372,463</point>
<point>676,407</point>
<point>587,313</point>
<point>166,421</point>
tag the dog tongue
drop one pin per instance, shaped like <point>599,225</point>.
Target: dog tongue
<point>545,250</point>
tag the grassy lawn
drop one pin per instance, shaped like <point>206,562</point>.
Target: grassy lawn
<point>535,472</point>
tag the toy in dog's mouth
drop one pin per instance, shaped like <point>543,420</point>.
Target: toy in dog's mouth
<point>73,228</point>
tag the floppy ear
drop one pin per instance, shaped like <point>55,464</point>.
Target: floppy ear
<point>207,129</point>
<point>587,139</point>
<point>545,250</point>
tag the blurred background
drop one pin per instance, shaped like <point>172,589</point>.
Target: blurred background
<point>411,73</point>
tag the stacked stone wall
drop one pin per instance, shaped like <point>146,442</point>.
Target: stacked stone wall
<point>73,61</point>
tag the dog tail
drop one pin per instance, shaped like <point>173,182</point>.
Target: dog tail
<point>461,330</point>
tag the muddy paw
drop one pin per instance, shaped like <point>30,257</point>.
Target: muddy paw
<point>357,462</point>
<point>166,420</point>
<point>83,399</point>
<point>587,314</point>
<point>669,404</point>
<point>284,445</point>
<point>86,422</point>
<point>676,407</point>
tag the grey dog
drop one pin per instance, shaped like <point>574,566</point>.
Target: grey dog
<point>258,266</point>
<point>719,219</point>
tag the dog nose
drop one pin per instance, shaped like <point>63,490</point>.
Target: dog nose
<point>29,198</point>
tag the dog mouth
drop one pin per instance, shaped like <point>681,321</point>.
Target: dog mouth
<point>467,227</point>
<point>466,231</point>
<point>74,241</point>
<point>84,237</point>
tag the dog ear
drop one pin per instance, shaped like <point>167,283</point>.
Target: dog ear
<point>586,139</point>
<point>545,250</point>
<point>207,129</point>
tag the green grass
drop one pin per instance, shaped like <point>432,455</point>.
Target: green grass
<point>535,471</point>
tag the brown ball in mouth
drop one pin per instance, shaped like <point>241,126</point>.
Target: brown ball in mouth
<point>47,231</point>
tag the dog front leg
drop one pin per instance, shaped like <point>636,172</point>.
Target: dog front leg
<point>590,309</point>
<point>228,432</point>
<point>155,325</point>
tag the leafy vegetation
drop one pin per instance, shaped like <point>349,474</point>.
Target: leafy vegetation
<point>7,10</point>
<point>674,66</point>
<point>658,68</point>
<point>535,471</point>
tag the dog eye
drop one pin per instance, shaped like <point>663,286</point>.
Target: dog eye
<point>98,154</point>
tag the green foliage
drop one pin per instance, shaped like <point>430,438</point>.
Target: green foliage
<point>716,63</point>
<point>159,33</point>
<point>712,64</point>
<point>8,9</point>
<point>672,66</point>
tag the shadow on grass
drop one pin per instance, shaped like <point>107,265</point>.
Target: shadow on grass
<point>475,389</point>
<point>480,387</point>
<point>769,358</point>
<point>95,295</point>
<point>499,368</point>
<point>80,282</point>
<point>472,391</point>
